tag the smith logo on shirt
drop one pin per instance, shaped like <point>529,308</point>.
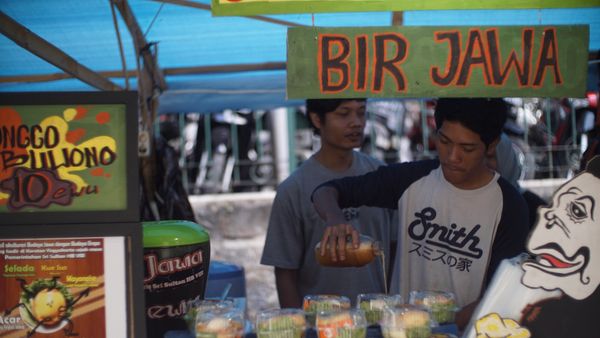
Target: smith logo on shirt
<point>447,237</point>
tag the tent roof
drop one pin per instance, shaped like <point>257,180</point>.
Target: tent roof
<point>188,38</point>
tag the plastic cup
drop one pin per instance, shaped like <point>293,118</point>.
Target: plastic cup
<point>406,321</point>
<point>280,323</point>
<point>341,324</point>
<point>373,305</point>
<point>220,323</point>
<point>203,305</point>
<point>317,303</point>
<point>441,304</point>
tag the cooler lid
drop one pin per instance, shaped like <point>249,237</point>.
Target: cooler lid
<point>219,270</point>
<point>173,233</point>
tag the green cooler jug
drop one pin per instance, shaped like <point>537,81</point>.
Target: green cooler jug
<point>176,261</point>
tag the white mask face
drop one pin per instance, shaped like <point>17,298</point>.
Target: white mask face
<point>566,240</point>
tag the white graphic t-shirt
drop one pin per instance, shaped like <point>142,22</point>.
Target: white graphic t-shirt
<point>449,239</point>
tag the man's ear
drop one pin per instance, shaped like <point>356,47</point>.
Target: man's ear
<point>315,119</point>
<point>491,149</point>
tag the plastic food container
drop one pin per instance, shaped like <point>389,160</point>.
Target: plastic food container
<point>342,324</point>
<point>373,305</point>
<point>407,321</point>
<point>280,323</point>
<point>204,305</point>
<point>442,305</point>
<point>220,323</point>
<point>323,303</point>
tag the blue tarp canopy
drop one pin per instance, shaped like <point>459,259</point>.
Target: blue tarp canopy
<point>189,39</point>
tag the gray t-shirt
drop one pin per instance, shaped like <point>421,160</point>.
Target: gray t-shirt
<point>295,228</point>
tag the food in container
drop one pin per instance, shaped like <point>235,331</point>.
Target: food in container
<point>316,303</point>
<point>441,304</point>
<point>203,305</point>
<point>363,255</point>
<point>220,323</point>
<point>374,303</point>
<point>407,321</point>
<point>280,323</point>
<point>341,324</point>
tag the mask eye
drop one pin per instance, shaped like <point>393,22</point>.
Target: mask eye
<point>577,211</point>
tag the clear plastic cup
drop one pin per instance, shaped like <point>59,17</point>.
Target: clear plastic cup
<point>280,323</point>
<point>441,304</point>
<point>341,324</point>
<point>373,305</point>
<point>203,305</point>
<point>220,323</point>
<point>406,321</point>
<point>316,303</point>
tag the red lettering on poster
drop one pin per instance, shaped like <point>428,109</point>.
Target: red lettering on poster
<point>454,40</point>
<point>390,65</point>
<point>483,51</point>
<point>330,62</point>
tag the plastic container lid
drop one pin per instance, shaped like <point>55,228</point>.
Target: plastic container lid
<point>377,300</point>
<point>220,322</point>
<point>373,304</point>
<point>428,298</point>
<point>406,317</point>
<point>173,233</point>
<point>342,324</point>
<point>315,303</point>
<point>204,305</point>
<point>441,304</point>
<point>280,320</point>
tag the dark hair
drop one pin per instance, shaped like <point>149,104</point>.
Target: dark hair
<point>324,106</point>
<point>593,166</point>
<point>485,117</point>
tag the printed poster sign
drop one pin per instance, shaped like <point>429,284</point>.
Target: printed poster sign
<point>255,7</point>
<point>489,61</point>
<point>63,158</point>
<point>553,291</point>
<point>54,287</point>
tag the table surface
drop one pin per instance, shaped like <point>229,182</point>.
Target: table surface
<point>373,331</point>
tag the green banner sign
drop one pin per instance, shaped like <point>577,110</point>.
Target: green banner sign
<point>63,158</point>
<point>502,61</point>
<point>255,7</point>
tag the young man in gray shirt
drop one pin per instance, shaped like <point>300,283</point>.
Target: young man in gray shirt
<point>295,227</point>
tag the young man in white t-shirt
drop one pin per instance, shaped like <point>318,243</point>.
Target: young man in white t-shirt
<point>457,218</point>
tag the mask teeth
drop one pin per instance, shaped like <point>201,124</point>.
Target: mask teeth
<point>525,256</point>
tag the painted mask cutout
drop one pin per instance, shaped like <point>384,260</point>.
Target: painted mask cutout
<point>566,240</point>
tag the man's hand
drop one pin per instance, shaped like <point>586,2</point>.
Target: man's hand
<point>334,240</point>
<point>325,201</point>
<point>286,281</point>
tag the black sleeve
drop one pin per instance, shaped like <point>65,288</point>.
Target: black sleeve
<point>512,230</point>
<point>533,201</point>
<point>382,187</point>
